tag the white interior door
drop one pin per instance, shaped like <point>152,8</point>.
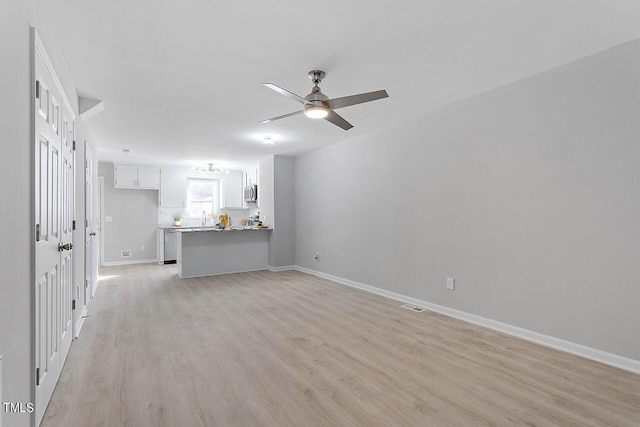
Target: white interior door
<point>54,213</point>
<point>67,206</point>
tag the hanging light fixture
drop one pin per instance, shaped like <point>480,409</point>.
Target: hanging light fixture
<point>211,168</point>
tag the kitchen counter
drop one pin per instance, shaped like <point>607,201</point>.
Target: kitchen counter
<point>207,251</point>
<point>218,230</point>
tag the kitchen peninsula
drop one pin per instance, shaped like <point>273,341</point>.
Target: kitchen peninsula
<point>209,251</point>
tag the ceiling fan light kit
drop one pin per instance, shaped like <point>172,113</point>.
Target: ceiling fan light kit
<point>316,111</point>
<point>317,105</point>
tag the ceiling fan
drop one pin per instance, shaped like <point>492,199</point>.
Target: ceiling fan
<point>211,168</point>
<point>317,105</point>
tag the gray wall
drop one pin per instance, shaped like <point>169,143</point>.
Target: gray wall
<point>135,220</point>
<point>527,195</point>
<point>275,197</point>
<point>284,212</point>
<point>16,260</point>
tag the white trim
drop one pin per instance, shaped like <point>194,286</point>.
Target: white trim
<point>135,261</point>
<point>80,322</point>
<point>611,359</point>
<point>101,197</point>
<point>47,61</point>
<point>283,268</point>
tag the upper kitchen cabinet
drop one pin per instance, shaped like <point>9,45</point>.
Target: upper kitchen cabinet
<point>136,177</point>
<point>148,177</point>
<point>251,176</point>
<point>232,190</point>
<point>173,187</point>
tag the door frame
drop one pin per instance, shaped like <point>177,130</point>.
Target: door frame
<point>101,228</point>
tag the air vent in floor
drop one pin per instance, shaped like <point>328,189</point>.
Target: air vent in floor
<point>415,308</point>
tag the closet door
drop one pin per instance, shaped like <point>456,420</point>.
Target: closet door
<point>54,212</point>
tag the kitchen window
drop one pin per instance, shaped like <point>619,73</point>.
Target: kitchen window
<point>202,195</point>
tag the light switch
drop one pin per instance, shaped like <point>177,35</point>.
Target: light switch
<point>108,219</point>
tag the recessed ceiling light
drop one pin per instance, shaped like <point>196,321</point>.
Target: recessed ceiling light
<point>266,140</point>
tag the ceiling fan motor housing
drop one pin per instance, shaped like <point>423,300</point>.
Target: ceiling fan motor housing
<point>317,101</point>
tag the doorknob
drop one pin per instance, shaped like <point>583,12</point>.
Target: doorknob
<point>65,247</point>
<point>92,234</point>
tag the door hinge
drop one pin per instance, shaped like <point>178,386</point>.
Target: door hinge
<point>38,89</point>
<point>73,224</point>
<point>74,146</point>
<point>37,376</point>
<point>37,232</point>
<point>73,304</point>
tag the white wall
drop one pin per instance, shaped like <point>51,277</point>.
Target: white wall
<point>16,191</point>
<point>135,220</point>
<point>527,195</point>
<point>16,260</point>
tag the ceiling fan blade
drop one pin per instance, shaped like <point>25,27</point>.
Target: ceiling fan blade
<point>338,120</point>
<point>286,92</point>
<point>284,116</point>
<point>346,101</point>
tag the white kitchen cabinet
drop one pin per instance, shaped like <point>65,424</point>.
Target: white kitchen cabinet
<point>136,177</point>
<point>251,176</point>
<point>173,187</point>
<point>125,176</point>
<point>232,191</point>
<point>148,177</point>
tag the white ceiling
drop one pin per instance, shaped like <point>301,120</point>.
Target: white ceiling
<point>181,79</point>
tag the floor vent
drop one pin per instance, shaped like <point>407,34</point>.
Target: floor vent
<point>415,308</point>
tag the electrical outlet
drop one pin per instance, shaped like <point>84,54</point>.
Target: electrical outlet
<point>451,282</point>
<point>125,253</point>
<point>317,256</point>
<point>142,248</point>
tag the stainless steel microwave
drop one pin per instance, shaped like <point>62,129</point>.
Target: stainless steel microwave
<point>251,193</point>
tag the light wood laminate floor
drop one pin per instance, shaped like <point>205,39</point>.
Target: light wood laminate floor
<point>290,349</point>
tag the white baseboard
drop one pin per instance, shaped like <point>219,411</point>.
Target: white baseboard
<point>137,261</point>
<point>549,341</point>
<point>282,268</point>
<point>80,322</point>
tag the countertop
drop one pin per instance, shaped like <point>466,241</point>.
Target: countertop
<point>218,230</point>
<point>189,227</point>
